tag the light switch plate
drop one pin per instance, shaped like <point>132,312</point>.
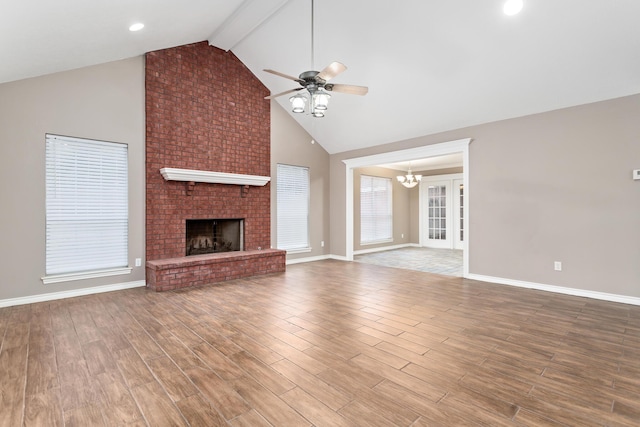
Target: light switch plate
<point>636,174</point>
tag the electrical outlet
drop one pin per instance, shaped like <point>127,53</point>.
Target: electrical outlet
<point>322,244</point>
<point>557,266</point>
<point>138,262</point>
<point>402,236</point>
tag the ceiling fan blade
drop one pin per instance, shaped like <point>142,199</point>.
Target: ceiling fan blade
<point>331,70</point>
<point>286,76</point>
<point>283,93</point>
<point>350,89</point>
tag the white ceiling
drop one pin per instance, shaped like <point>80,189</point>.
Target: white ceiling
<point>430,65</point>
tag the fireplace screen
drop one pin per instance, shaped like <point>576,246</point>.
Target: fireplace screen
<point>206,236</point>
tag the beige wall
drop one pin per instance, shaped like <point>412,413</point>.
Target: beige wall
<point>291,144</point>
<point>401,213</point>
<point>549,187</point>
<point>104,102</point>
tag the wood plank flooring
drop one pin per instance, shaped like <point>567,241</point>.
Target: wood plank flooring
<point>326,343</point>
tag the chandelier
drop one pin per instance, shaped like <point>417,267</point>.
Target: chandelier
<point>409,180</point>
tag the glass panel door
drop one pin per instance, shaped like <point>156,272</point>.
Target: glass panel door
<point>442,211</point>
<point>438,214</point>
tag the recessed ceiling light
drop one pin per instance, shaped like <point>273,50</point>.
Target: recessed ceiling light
<point>136,27</point>
<point>512,7</point>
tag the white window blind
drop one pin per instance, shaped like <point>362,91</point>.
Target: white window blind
<point>376,222</point>
<point>293,207</point>
<point>86,205</point>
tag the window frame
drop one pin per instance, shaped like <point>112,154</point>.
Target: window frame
<point>286,241</point>
<point>86,196</point>
<point>379,236</point>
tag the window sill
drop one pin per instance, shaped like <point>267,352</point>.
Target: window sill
<point>298,251</point>
<point>376,242</point>
<point>59,278</point>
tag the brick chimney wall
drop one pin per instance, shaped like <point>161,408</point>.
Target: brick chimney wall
<point>204,110</point>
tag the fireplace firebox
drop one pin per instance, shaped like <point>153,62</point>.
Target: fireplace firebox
<point>206,236</point>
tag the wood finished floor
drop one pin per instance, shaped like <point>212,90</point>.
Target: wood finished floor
<point>326,343</point>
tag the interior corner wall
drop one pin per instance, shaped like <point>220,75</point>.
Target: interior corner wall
<point>291,145</point>
<point>206,111</point>
<point>400,200</point>
<point>555,186</point>
<point>102,102</point>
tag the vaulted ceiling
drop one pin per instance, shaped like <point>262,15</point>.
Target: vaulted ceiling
<point>430,65</point>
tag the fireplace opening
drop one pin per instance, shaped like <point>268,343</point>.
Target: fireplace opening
<point>206,236</point>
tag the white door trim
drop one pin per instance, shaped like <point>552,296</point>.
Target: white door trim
<point>451,147</point>
<point>457,243</point>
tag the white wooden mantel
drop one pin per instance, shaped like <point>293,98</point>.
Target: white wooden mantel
<point>191,175</point>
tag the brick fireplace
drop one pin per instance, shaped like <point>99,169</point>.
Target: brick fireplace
<point>205,111</point>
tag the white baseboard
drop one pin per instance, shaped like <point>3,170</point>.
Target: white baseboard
<point>307,259</point>
<point>557,289</point>
<point>344,258</point>
<point>317,258</point>
<point>384,248</point>
<point>70,294</point>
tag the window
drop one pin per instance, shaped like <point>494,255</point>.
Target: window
<point>293,208</point>
<point>376,221</point>
<point>86,206</point>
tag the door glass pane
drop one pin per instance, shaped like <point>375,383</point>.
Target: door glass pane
<point>437,197</point>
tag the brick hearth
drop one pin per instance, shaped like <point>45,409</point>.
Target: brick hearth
<point>206,111</point>
<point>173,273</point>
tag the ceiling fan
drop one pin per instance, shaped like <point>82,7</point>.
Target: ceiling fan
<point>316,84</point>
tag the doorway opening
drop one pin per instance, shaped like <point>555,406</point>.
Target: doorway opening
<point>434,150</point>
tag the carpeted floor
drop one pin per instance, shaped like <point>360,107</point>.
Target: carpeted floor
<point>440,261</point>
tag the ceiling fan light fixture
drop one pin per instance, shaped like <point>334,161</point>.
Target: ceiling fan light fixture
<point>320,100</point>
<point>315,83</point>
<point>297,103</point>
